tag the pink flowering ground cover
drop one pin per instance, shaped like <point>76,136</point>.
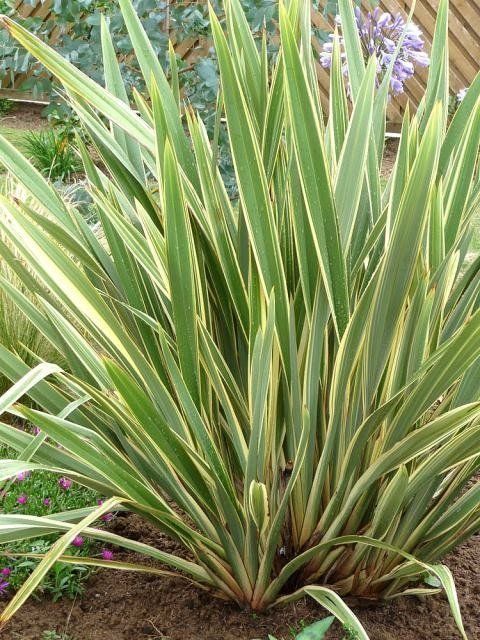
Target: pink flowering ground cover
<point>39,494</point>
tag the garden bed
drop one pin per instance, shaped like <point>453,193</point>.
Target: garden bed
<point>25,116</point>
<point>131,606</point>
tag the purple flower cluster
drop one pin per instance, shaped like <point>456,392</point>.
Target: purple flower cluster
<point>379,34</point>
<point>64,483</point>
<point>107,554</point>
<point>106,517</point>
<point>77,541</point>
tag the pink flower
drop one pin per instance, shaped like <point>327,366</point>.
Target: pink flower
<point>23,475</point>
<point>77,541</point>
<point>65,483</point>
<point>37,430</point>
<point>22,499</point>
<point>6,571</point>
<point>107,554</point>
<point>107,517</point>
<point>47,502</point>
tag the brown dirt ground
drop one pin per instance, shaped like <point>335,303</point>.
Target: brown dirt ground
<point>24,116</point>
<point>389,157</point>
<point>132,606</point>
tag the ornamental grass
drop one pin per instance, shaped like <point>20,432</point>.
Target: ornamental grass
<point>285,383</point>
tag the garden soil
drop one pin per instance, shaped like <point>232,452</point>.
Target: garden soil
<point>132,606</point>
<point>24,116</point>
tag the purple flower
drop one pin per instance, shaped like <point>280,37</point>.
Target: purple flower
<point>379,35</point>
<point>326,58</point>
<point>420,57</point>
<point>22,499</point>
<point>36,430</point>
<point>77,541</point>
<point>47,502</point>
<point>65,483</point>
<point>23,475</point>
<point>107,554</point>
<point>396,85</point>
<point>107,517</point>
<point>384,20</point>
<point>6,571</point>
<point>3,587</point>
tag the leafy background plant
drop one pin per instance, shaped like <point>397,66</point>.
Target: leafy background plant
<point>5,106</point>
<point>79,40</point>
<point>52,153</point>
<point>77,23</point>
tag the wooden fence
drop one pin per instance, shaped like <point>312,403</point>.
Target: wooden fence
<point>464,43</point>
<point>464,47</point>
<point>188,49</point>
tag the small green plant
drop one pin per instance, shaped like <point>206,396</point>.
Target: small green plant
<point>64,120</point>
<point>315,631</point>
<point>63,580</point>
<point>6,106</point>
<point>51,152</point>
<point>350,633</point>
<point>54,635</point>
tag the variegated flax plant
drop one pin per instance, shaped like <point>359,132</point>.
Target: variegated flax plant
<point>287,384</point>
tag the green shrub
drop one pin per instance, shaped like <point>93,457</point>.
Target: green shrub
<point>5,106</point>
<point>51,153</point>
<point>287,385</point>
